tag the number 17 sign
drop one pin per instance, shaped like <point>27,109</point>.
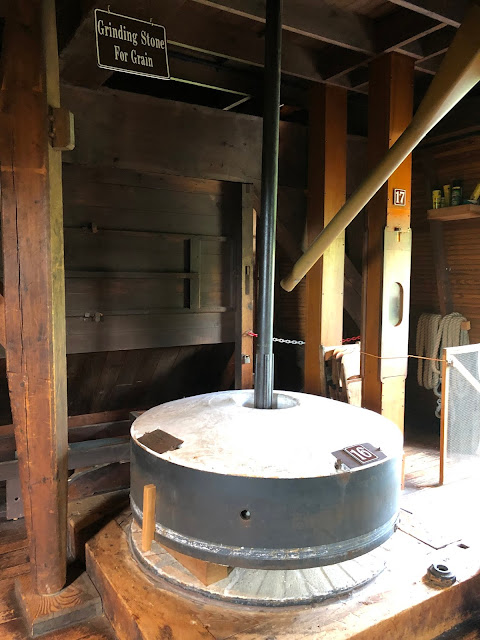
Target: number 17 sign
<point>399,197</point>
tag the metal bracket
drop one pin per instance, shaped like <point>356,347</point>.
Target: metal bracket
<point>62,129</point>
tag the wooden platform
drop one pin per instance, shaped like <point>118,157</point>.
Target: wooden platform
<point>436,522</point>
<point>398,605</point>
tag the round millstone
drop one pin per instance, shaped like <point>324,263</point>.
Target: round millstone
<point>309,483</point>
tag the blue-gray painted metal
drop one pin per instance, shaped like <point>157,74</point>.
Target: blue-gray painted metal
<point>293,523</point>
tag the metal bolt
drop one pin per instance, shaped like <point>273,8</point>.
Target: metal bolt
<point>440,575</point>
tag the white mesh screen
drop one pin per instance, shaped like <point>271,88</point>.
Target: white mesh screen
<point>462,408</point>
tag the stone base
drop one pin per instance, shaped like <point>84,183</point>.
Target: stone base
<point>258,586</point>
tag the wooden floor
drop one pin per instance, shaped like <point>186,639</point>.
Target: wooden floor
<point>437,516</point>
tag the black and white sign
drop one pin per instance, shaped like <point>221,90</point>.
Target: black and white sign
<point>399,197</point>
<point>130,45</point>
<point>361,454</point>
<point>358,455</point>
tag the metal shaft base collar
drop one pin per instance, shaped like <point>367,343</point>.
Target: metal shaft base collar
<point>439,574</point>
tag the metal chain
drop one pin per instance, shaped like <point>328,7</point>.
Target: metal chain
<point>301,342</point>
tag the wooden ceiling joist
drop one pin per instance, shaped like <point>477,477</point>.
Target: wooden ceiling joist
<point>402,28</point>
<point>309,18</point>
<point>430,45</point>
<point>447,11</point>
<point>421,29</point>
<point>78,64</point>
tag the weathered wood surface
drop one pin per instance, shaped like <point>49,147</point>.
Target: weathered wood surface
<point>12,626</point>
<point>140,379</point>
<point>390,111</point>
<point>34,281</point>
<point>77,602</point>
<point>390,607</point>
<point>457,159</point>
<point>326,195</point>
<point>206,572</point>
<point>120,580</point>
<point>460,212</point>
<point>245,294</point>
<point>87,516</point>
<point>130,259</point>
<point>176,138</point>
<point>99,480</point>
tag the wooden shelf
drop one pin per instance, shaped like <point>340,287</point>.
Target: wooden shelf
<point>460,212</point>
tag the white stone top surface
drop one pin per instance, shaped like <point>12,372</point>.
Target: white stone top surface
<point>224,433</point>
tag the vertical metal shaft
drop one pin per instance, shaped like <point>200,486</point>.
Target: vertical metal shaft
<point>268,219</point>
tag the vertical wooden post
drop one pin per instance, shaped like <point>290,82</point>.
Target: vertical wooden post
<point>32,227</point>
<point>245,295</point>
<point>148,521</point>
<point>388,243</point>
<point>327,162</point>
<point>444,417</point>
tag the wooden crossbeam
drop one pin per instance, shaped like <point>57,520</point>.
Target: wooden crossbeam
<point>430,45</point>
<point>446,11</point>
<point>311,19</point>
<point>417,36</point>
<point>401,28</point>
<point>195,30</point>
<point>430,66</point>
<point>192,32</point>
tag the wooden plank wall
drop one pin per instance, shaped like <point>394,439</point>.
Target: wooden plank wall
<point>455,159</point>
<point>143,378</point>
<point>457,156</point>
<point>154,186</point>
<point>149,259</point>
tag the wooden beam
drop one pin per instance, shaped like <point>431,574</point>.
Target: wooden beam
<point>244,350</point>
<point>190,30</point>
<point>326,195</point>
<point>430,45</point>
<point>3,338</point>
<point>431,65</point>
<point>415,36</point>
<point>207,572</point>
<point>445,11</point>
<point>334,62</point>
<point>311,19</point>
<point>402,28</point>
<point>387,251</point>
<point>352,297</point>
<point>32,227</point>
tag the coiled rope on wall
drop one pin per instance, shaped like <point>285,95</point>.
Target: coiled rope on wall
<point>434,334</point>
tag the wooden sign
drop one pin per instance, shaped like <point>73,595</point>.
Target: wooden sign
<point>130,45</point>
